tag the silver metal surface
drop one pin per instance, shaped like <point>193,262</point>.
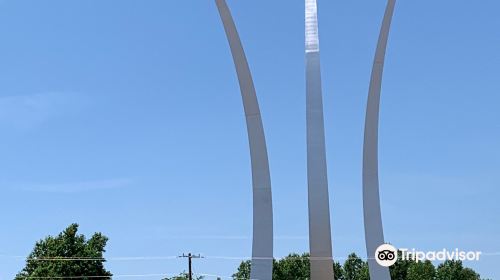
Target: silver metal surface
<point>320,240</point>
<point>262,246</point>
<point>374,233</point>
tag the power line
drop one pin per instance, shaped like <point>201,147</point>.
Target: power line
<point>127,276</point>
<point>99,276</point>
<point>139,258</point>
<point>190,257</point>
<point>90,258</point>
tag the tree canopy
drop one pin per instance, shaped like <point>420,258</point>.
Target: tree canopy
<point>67,255</point>
<point>70,255</point>
<point>297,267</point>
<point>183,276</point>
<point>455,270</point>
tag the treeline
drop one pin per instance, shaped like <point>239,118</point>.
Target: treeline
<point>70,255</point>
<point>296,267</point>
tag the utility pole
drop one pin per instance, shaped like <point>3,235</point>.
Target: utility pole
<point>190,258</point>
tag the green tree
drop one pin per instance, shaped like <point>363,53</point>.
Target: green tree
<point>183,276</point>
<point>421,271</point>
<point>355,269</point>
<point>454,270</point>
<point>338,271</point>
<point>297,267</point>
<point>294,266</point>
<point>243,272</point>
<point>400,269</point>
<point>67,255</point>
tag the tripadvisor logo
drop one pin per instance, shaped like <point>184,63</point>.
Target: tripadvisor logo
<point>387,255</point>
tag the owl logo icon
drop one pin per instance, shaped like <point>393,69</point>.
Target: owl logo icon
<point>386,255</point>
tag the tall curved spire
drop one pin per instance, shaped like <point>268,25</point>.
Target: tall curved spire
<point>262,244</point>
<point>320,240</point>
<point>374,233</point>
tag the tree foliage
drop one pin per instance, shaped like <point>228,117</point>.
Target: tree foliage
<point>297,267</point>
<point>355,269</point>
<point>243,272</point>
<point>183,276</point>
<point>399,270</point>
<point>454,270</point>
<point>67,255</point>
<point>421,271</point>
<point>294,266</point>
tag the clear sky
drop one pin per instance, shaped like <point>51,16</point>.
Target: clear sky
<point>125,117</point>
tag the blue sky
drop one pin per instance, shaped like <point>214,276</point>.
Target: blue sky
<point>125,117</point>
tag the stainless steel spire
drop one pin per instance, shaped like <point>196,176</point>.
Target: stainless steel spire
<point>320,240</point>
<point>374,233</point>
<point>262,246</point>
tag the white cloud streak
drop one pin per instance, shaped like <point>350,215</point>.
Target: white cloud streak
<point>27,111</point>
